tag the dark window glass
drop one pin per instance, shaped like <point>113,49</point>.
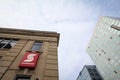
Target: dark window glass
<point>118,35</point>
<point>0,40</point>
<point>94,70</point>
<point>108,59</point>
<point>88,46</point>
<point>99,79</point>
<point>36,46</point>
<point>94,79</point>
<point>1,45</point>
<point>7,43</point>
<point>115,72</point>
<point>104,52</point>
<point>0,57</point>
<point>91,74</point>
<point>89,70</point>
<point>22,77</point>
<point>110,37</point>
<point>7,46</point>
<point>96,74</point>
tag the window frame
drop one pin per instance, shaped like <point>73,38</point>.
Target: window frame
<point>35,44</point>
<point>22,76</point>
<point>1,57</point>
<point>5,42</point>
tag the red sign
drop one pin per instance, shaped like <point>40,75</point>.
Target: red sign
<point>29,60</point>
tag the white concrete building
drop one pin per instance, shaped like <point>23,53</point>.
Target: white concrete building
<point>104,47</point>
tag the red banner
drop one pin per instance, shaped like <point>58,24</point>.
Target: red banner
<point>29,60</point>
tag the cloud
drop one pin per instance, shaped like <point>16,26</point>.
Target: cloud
<point>39,13</point>
<point>74,20</point>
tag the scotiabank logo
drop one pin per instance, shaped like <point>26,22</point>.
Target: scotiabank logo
<point>29,60</point>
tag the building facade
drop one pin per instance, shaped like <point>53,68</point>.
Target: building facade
<point>104,47</point>
<point>89,72</point>
<point>28,55</point>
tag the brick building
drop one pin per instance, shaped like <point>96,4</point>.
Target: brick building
<point>20,49</point>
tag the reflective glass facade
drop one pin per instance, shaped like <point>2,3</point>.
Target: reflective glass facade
<point>89,72</point>
<point>104,48</point>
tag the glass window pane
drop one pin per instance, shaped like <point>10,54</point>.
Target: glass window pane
<point>8,46</point>
<point>36,46</point>
<point>7,43</point>
<point>0,57</point>
<point>13,42</point>
<point>1,45</point>
<point>22,77</point>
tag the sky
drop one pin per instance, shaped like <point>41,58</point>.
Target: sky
<point>75,20</point>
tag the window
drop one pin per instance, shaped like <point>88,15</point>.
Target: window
<point>22,77</point>
<point>7,43</point>
<point>94,79</point>
<point>96,74</point>
<point>88,46</point>
<point>89,70</point>
<point>115,72</point>
<point>110,37</point>
<point>36,46</point>
<point>99,54</point>
<point>108,59</point>
<point>96,50</point>
<point>104,52</point>
<point>118,35</point>
<point>99,79</point>
<point>94,70</point>
<point>91,74</point>
<point>0,57</point>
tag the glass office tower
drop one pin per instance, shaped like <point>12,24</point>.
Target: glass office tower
<point>89,72</point>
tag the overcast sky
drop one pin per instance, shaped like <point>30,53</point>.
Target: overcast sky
<point>75,20</point>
